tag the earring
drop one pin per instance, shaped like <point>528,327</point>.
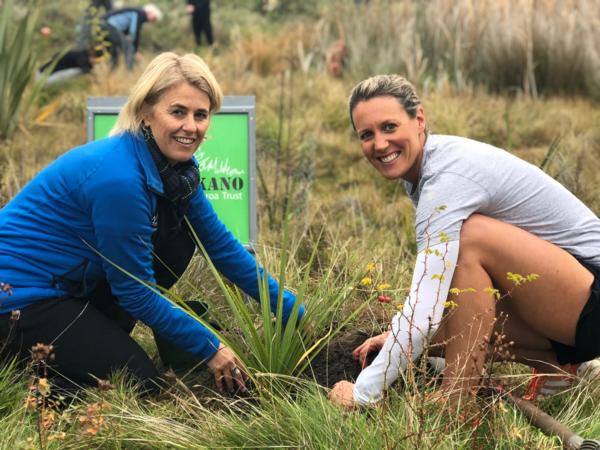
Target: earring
<point>146,132</point>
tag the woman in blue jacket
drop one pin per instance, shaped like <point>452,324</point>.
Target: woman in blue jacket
<point>74,240</point>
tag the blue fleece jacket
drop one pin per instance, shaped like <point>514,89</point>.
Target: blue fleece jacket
<point>102,197</point>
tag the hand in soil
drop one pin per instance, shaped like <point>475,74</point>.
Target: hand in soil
<point>373,344</point>
<point>226,367</point>
<point>342,394</point>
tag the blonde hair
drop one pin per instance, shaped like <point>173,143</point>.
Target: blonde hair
<point>386,85</point>
<point>165,71</point>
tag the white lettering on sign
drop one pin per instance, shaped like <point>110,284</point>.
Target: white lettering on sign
<point>236,196</point>
<point>216,166</point>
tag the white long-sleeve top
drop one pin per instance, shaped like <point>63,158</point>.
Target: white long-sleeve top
<point>460,177</point>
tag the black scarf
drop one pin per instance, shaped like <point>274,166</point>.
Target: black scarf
<point>180,181</point>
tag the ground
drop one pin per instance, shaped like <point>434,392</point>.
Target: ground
<point>335,362</point>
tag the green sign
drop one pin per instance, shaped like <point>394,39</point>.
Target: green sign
<point>226,159</point>
<point>224,174</point>
<point>103,123</point>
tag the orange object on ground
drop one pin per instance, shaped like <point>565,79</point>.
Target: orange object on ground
<point>543,385</point>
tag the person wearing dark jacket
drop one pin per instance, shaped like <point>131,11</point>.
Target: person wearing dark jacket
<point>67,65</point>
<point>87,241</point>
<point>106,4</point>
<point>200,10</point>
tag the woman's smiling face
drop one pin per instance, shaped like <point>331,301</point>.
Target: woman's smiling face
<point>390,139</point>
<point>179,121</point>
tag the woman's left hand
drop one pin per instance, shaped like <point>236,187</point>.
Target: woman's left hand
<point>373,344</point>
<point>342,394</point>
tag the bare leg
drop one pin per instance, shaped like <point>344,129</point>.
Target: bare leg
<point>468,327</point>
<point>534,350</point>
<point>528,347</point>
<point>548,308</point>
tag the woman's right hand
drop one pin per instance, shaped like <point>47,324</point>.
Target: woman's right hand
<point>225,366</point>
<point>373,344</point>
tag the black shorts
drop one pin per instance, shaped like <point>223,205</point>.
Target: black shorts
<point>587,332</point>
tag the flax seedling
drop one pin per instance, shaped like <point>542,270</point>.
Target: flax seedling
<point>266,345</point>
<point>270,346</point>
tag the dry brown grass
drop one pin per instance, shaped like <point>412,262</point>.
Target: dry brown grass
<point>534,46</point>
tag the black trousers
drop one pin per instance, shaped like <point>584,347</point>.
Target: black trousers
<point>119,42</point>
<point>90,335</point>
<point>201,22</point>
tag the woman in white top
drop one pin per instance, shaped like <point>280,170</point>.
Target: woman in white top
<point>480,214</point>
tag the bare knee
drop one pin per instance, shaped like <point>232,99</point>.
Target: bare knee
<point>476,235</point>
<point>476,228</point>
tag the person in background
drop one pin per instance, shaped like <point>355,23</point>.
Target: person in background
<point>84,243</point>
<point>67,65</point>
<point>106,4</point>
<point>200,11</point>
<point>506,255</point>
<point>80,59</point>
<point>123,29</point>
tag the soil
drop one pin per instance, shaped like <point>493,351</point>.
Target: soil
<point>335,362</point>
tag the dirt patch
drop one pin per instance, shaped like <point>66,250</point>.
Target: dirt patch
<point>335,362</point>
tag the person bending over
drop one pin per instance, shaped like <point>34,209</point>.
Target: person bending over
<point>123,29</point>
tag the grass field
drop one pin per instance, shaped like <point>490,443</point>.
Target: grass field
<point>522,78</point>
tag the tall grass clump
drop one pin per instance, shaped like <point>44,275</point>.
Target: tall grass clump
<point>380,37</point>
<point>307,420</point>
<point>540,46</point>
<point>532,46</point>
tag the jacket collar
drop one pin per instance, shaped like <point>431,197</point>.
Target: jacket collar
<point>149,169</point>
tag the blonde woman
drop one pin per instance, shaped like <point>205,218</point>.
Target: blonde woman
<point>480,213</point>
<point>111,205</point>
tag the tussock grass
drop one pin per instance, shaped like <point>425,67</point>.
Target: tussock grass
<point>531,46</point>
<point>298,416</point>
